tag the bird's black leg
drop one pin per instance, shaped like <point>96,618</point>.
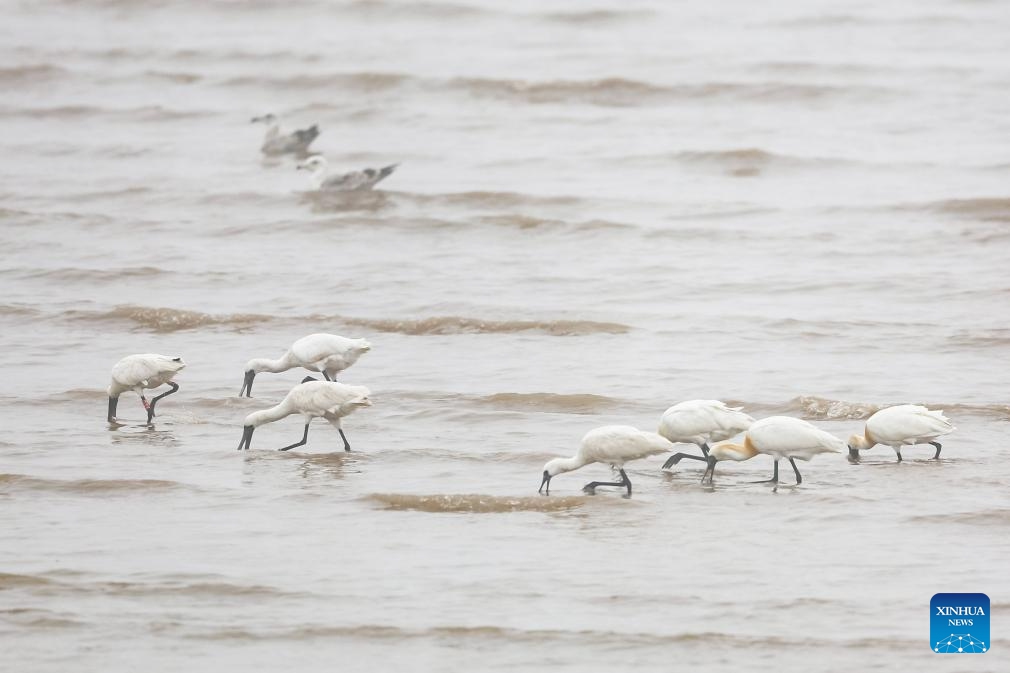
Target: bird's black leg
<point>150,411</point>
<point>709,471</point>
<point>113,403</point>
<point>347,445</point>
<point>799,479</point>
<point>326,376</point>
<point>305,438</point>
<point>677,457</point>
<point>247,433</point>
<point>775,475</point>
<point>936,456</point>
<point>591,486</point>
<point>704,448</point>
<point>898,451</point>
<point>147,406</point>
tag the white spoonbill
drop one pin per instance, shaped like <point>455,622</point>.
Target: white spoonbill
<point>346,182</point>
<point>311,399</point>
<point>275,142</point>
<point>700,422</point>
<point>779,437</point>
<point>326,353</point>
<point>902,425</point>
<point>140,372</point>
<point>613,444</point>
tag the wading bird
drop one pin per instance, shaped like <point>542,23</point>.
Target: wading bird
<point>329,354</point>
<point>612,444</point>
<point>355,181</point>
<point>700,422</point>
<point>311,399</point>
<point>275,142</point>
<point>902,425</point>
<point>140,372</point>
<point>779,437</point>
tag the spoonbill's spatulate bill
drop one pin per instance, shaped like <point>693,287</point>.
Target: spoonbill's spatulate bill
<point>700,422</point>
<point>326,353</point>
<point>611,444</point>
<point>901,425</point>
<point>779,437</point>
<point>141,372</point>
<point>355,181</point>
<point>276,142</point>
<point>728,451</point>
<point>311,399</point>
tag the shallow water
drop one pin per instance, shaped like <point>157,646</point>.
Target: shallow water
<point>601,210</point>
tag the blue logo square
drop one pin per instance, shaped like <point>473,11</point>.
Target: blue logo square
<point>959,623</point>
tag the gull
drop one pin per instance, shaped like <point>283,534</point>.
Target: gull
<point>779,437</point>
<point>700,422</point>
<point>275,142</point>
<point>140,372</point>
<point>901,425</point>
<point>312,399</point>
<point>348,182</point>
<point>326,353</point>
<point>613,444</point>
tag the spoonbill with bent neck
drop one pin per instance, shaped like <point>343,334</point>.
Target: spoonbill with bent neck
<point>312,399</point>
<point>326,353</point>
<point>612,444</point>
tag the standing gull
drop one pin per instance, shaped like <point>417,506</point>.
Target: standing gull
<point>700,422</point>
<point>902,425</point>
<point>355,181</point>
<point>613,444</point>
<point>312,399</point>
<point>326,353</point>
<point>275,142</point>
<point>140,372</point>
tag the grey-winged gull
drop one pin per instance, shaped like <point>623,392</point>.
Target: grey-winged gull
<point>347,182</point>
<point>275,142</point>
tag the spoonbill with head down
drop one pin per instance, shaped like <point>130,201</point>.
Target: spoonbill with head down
<point>612,444</point>
<point>779,437</point>
<point>311,399</point>
<point>901,425</point>
<point>275,142</point>
<point>700,422</point>
<point>326,353</point>
<point>140,372</point>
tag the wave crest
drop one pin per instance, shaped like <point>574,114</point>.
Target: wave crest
<point>27,73</point>
<point>825,409</point>
<point>84,486</point>
<point>462,325</point>
<point>986,209</point>
<point>172,320</point>
<point>584,403</point>
<point>168,319</point>
<point>475,503</point>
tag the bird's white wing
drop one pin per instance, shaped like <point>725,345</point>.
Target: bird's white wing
<point>907,421</point>
<point>787,434</point>
<point>324,397</point>
<point>317,347</point>
<point>135,369</point>
<point>620,443</point>
<point>704,417</point>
